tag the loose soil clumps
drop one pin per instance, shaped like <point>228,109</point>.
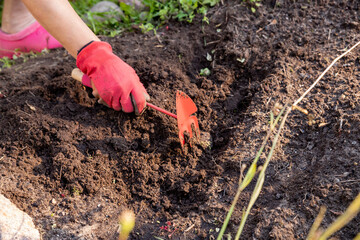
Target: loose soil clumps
<point>74,165</point>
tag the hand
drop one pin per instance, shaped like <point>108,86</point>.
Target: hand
<point>114,81</point>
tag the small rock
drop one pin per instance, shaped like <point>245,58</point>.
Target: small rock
<point>106,6</point>
<point>205,140</point>
<point>61,214</point>
<point>14,223</point>
<point>136,4</point>
<point>152,126</point>
<point>145,140</point>
<point>310,145</point>
<point>155,167</point>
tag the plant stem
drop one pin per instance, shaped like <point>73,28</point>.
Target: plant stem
<point>321,75</point>
<point>261,178</point>
<point>312,234</point>
<point>357,237</point>
<point>341,221</point>
<point>248,177</point>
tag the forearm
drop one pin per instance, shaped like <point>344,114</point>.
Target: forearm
<point>62,22</point>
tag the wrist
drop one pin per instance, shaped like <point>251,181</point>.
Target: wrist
<point>93,55</point>
<point>78,52</point>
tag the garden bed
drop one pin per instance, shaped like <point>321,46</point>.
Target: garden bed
<point>74,165</point>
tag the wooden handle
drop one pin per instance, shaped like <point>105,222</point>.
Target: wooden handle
<point>77,74</point>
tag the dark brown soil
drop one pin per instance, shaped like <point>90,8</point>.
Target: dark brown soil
<point>74,165</point>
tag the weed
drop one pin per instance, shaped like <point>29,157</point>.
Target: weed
<point>205,72</point>
<point>148,27</point>
<point>7,62</point>
<point>316,233</point>
<point>154,14</point>
<point>251,172</point>
<point>75,192</point>
<point>253,4</point>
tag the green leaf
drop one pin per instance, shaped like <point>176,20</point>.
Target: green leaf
<point>210,2</point>
<point>205,72</point>
<point>158,238</point>
<point>249,175</point>
<point>126,8</point>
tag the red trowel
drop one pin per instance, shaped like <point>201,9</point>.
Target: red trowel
<point>185,108</point>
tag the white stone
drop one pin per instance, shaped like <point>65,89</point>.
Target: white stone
<point>106,6</point>
<point>14,223</point>
<point>138,5</point>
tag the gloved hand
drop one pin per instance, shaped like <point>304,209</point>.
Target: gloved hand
<point>115,81</point>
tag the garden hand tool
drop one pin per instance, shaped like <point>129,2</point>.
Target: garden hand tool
<point>185,108</point>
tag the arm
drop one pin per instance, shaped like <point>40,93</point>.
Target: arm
<point>62,22</point>
<point>114,81</point>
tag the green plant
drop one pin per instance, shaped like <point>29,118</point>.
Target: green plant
<point>249,177</point>
<point>318,234</point>
<point>7,62</point>
<point>205,72</point>
<point>261,178</point>
<point>75,191</point>
<point>154,14</point>
<point>148,27</point>
<point>357,237</point>
<point>253,4</point>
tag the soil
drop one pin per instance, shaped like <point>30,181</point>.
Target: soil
<point>74,165</point>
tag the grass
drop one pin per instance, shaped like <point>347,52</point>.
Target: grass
<point>7,62</point>
<point>24,57</point>
<point>251,174</point>
<point>243,183</point>
<point>252,4</point>
<point>316,233</point>
<point>154,14</point>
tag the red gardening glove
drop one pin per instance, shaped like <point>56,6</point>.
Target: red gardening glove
<point>116,82</point>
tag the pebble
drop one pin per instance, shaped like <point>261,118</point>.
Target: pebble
<point>145,140</point>
<point>206,140</point>
<point>106,6</point>
<point>138,5</point>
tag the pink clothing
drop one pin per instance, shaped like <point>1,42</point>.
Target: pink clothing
<point>33,38</point>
